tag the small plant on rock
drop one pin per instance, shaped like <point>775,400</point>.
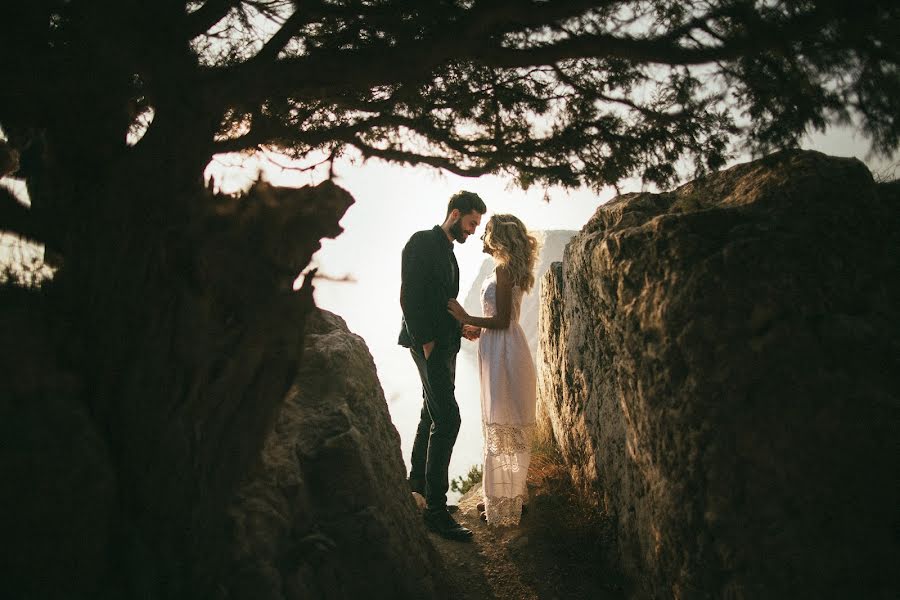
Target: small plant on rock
<point>464,484</point>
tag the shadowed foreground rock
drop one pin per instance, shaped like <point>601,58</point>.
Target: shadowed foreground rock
<point>329,514</point>
<point>133,433</point>
<point>721,365</point>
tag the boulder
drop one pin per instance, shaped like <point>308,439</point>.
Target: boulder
<point>328,514</point>
<point>721,371</point>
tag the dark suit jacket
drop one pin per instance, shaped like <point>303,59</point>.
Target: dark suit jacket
<point>429,278</point>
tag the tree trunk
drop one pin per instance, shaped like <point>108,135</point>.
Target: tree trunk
<point>199,337</point>
<point>183,333</point>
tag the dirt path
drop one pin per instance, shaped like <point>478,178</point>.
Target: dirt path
<point>556,552</point>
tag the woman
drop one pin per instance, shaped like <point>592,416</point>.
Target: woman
<point>508,384</point>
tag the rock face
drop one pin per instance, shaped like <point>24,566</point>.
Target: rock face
<point>552,243</point>
<point>721,369</point>
<point>329,514</point>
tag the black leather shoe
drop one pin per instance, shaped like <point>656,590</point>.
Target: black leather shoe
<point>441,523</point>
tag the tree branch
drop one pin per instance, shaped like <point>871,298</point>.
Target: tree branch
<point>326,74</point>
<point>403,156</point>
<point>268,131</point>
<point>494,16</point>
<point>277,42</point>
<point>202,19</point>
<point>595,93</point>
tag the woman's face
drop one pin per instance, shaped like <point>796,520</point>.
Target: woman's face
<point>485,248</point>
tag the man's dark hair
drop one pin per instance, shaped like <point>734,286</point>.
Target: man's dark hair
<point>466,202</point>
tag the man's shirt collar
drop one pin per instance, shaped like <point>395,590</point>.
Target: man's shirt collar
<point>439,231</point>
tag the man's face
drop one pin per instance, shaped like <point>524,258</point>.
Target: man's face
<point>465,226</point>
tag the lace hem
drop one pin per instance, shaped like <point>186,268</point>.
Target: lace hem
<point>502,511</point>
<point>507,439</point>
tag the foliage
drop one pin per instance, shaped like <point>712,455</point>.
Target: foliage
<point>30,274</point>
<point>887,174</point>
<point>572,93</point>
<point>463,484</point>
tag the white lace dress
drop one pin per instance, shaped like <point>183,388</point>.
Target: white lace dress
<point>508,388</point>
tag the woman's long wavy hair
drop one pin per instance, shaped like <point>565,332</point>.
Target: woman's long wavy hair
<point>513,247</point>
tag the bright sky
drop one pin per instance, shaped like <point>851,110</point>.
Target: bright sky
<point>392,203</point>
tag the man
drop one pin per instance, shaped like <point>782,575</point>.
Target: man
<point>429,278</point>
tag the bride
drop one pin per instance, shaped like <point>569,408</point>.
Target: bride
<point>507,372</point>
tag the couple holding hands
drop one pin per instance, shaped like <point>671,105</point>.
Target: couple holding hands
<point>433,323</point>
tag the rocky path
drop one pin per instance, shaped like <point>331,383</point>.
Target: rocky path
<point>556,552</point>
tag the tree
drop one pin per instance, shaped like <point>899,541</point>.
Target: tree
<point>172,301</point>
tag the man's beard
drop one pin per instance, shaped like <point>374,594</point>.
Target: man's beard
<point>457,232</point>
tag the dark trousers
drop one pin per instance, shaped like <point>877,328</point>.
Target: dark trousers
<point>438,425</point>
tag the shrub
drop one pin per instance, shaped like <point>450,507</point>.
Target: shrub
<point>464,484</point>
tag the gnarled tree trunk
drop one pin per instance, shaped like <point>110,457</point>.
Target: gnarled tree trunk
<point>173,322</point>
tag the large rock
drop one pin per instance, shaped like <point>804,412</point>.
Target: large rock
<point>329,513</point>
<point>721,369</point>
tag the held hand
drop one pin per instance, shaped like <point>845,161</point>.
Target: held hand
<point>427,348</point>
<point>456,309</point>
<point>471,333</point>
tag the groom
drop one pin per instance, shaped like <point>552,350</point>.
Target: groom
<point>429,278</point>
